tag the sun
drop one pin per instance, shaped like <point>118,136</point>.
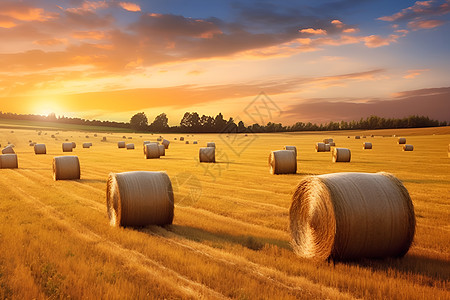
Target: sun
<point>47,107</point>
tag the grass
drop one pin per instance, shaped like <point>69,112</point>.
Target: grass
<point>230,234</point>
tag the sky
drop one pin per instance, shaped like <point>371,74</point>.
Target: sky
<point>256,61</point>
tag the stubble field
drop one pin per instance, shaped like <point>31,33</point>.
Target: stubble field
<point>229,237</point>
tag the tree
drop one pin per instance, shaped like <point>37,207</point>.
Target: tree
<point>219,123</point>
<point>160,124</point>
<point>139,122</point>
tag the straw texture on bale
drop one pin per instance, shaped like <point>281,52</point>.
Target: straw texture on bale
<point>121,144</point>
<point>348,216</point>
<point>357,137</point>
<point>292,148</point>
<point>130,146</point>
<point>327,141</point>
<point>327,147</point>
<point>40,149</point>
<point>139,198</point>
<point>66,167</point>
<point>341,155</point>
<point>207,154</point>
<point>151,150</point>
<point>282,162</point>
<point>408,147</point>
<point>367,145</point>
<point>162,150</point>
<point>165,143</point>
<point>320,147</point>
<point>332,144</point>
<point>74,145</point>
<point>211,144</point>
<point>401,141</point>
<point>8,161</point>
<point>67,147</point>
<point>8,150</point>
<point>181,138</point>
<point>145,146</point>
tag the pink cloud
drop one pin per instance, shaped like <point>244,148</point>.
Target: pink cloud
<point>130,6</point>
<point>337,23</point>
<point>414,73</point>
<point>425,24</point>
<point>313,31</point>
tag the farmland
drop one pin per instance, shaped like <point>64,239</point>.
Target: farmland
<point>229,237</point>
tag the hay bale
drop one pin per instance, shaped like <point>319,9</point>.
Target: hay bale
<point>211,144</point>
<point>139,198</point>
<point>351,216</point>
<point>181,138</point>
<point>146,142</point>
<point>95,135</point>
<point>166,143</point>
<point>121,144</point>
<point>408,148</point>
<point>66,167</point>
<point>87,145</point>
<point>124,137</point>
<point>87,136</point>
<point>66,140</point>
<point>130,137</point>
<point>401,141</point>
<point>74,145</point>
<point>151,150</point>
<point>341,155</point>
<point>327,147</point>
<point>187,142</point>
<point>283,162</point>
<point>40,149</point>
<point>320,147</point>
<point>292,148</point>
<point>195,142</point>
<point>159,139</point>
<point>207,154</point>
<point>104,139</point>
<point>174,139</point>
<point>67,147</point>
<point>332,144</point>
<point>162,150</point>
<point>53,136</point>
<point>8,150</point>
<point>357,137</point>
<point>327,141</point>
<point>367,145</point>
<point>8,161</point>
<point>130,146</point>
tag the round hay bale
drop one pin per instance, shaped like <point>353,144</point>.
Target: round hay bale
<point>66,167</point>
<point>151,150</point>
<point>187,142</point>
<point>181,138</point>
<point>327,147</point>
<point>367,145</point>
<point>320,147</point>
<point>162,150</point>
<point>8,161</point>
<point>195,142</point>
<point>292,148</point>
<point>408,147</point>
<point>53,136</point>
<point>104,139</point>
<point>146,142</point>
<point>341,155</point>
<point>66,140</point>
<point>74,145</point>
<point>351,216</point>
<point>166,143</point>
<point>67,147</point>
<point>159,139</point>
<point>327,141</point>
<point>211,144</point>
<point>124,137</point>
<point>145,146</point>
<point>130,137</point>
<point>139,198</point>
<point>40,149</point>
<point>207,154</point>
<point>121,144</point>
<point>357,137</point>
<point>8,150</point>
<point>174,139</point>
<point>282,162</point>
<point>87,145</point>
<point>87,136</point>
<point>332,144</point>
<point>130,146</point>
<point>95,135</point>
<point>401,141</point>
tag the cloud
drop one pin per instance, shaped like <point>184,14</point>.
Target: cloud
<point>313,31</point>
<point>130,6</point>
<point>91,35</point>
<point>425,24</point>
<point>51,42</point>
<point>414,73</point>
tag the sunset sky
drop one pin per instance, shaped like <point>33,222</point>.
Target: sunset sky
<point>316,60</point>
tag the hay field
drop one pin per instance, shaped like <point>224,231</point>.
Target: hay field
<point>229,238</point>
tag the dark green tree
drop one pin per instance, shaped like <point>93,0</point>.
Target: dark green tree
<point>160,124</point>
<point>139,122</point>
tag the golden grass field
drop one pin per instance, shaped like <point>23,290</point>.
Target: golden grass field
<point>229,238</point>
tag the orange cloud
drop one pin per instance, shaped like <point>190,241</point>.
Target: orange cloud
<point>130,6</point>
<point>414,73</point>
<point>51,42</point>
<point>89,35</point>
<point>7,23</point>
<point>425,24</point>
<point>337,23</point>
<point>313,31</point>
<point>24,13</point>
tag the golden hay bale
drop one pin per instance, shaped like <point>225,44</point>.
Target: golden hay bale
<point>66,167</point>
<point>8,150</point>
<point>332,144</point>
<point>87,136</point>
<point>121,144</point>
<point>187,142</point>
<point>357,137</point>
<point>327,148</point>
<point>351,216</point>
<point>408,148</point>
<point>341,155</point>
<point>320,147</point>
<point>74,145</point>
<point>401,141</point>
<point>146,142</point>
<point>282,162</point>
<point>8,161</point>
<point>104,139</point>
<point>195,142</point>
<point>327,141</point>
<point>151,150</point>
<point>181,138</point>
<point>207,154</point>
<point>292,148</point>
<point>67,147</point>
<point>367,145</point>
<point>139,198</point>
<point>165,143</point>
<point>130,146</point>
<point>145,146</point>
<point>130,137</point>
<point>162,150</point>
<point>211,144</point>
<point>95,135</point>
<point>159,139</point>
<point>87,145</point>
<point>40,149</point>
<point>124,137</point>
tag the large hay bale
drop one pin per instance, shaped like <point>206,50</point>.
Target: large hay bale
<point>121,144</point>
<point>282,162</point>
<point>66,167</point>
<point>357,137</point>
<point>130,146</point>
<point>327,148</point>
<point>351,216</point>
<point>320,147</point>
<point>139,198</point>
<point>162,150</point>
<point>8,150</point>
<point>367,145</point>
<point>165,143</point>
<point>341,155</point>
<point>8,161</point>
<point>292,148</point>
<point>408,148</point>
<point>211,144</point>
<point>401,141</point>
<point>151,150</point>
<point>40,149</point>
<point>181,138</point>
<point>67,147</point>
<point>207,154</point>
